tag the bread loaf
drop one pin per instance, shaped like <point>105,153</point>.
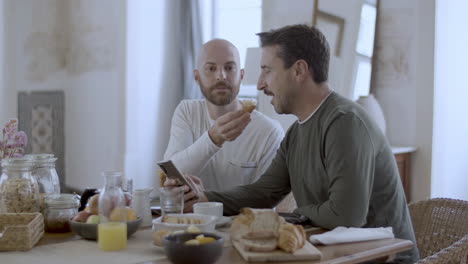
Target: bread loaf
<point>259,245</point>
<point>256,224</point>
<point>291,237</point>
<point>263,230</point>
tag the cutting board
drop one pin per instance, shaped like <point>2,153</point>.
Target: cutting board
<point>308,252</point>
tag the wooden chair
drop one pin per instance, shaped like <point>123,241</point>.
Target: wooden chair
<point>441,229</point>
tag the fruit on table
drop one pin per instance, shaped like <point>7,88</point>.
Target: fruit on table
<point>92,207</point>
<point>81,217</point>
<point>117,214</point>
<point>93,219</point>
<point>199,240</point>
<point>159,235</point>
<point>193,229</point>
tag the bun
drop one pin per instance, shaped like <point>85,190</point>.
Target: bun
<point>248,105</point>
<point>159,235</point>
<point>162,177</point>
<point>93,203</point>
<point>256,224</point>
<point>181,220</point>
<point>259,245</point>
<point>263,230</point>
<point>291,237</point>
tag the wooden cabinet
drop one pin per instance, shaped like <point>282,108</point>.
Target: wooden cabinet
<point>403,160</point>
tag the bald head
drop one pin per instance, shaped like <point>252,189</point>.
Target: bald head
<point>217,50</point>
<point>218,72</point>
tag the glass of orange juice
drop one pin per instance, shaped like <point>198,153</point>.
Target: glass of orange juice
<point>112,236</point>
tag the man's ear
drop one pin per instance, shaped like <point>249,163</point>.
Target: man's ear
<point>242,74</point>
<point>196,76</point>
<point>301,69</point>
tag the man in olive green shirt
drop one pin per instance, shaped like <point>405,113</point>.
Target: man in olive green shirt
<point>334,159</point>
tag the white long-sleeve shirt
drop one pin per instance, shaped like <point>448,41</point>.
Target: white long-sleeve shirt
<point>237,162</point>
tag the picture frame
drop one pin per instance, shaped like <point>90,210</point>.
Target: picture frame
<point>332,27</point>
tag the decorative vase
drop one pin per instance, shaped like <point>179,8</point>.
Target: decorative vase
<point>372,106</point>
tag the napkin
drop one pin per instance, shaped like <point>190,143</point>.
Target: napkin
<point>351,234</point>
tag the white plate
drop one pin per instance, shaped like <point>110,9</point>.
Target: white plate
<point>222,221</point>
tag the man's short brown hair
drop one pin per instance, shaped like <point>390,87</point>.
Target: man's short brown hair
<point>300,42</point>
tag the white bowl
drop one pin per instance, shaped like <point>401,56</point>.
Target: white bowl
<point>207,226</point>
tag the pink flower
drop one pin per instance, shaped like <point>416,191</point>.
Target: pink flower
<point>13,142</point>
<point>21,139</point>
<point>11,126</point>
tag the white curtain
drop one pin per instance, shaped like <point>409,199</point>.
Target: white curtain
<point>162,39</point>
<point>191,42</point>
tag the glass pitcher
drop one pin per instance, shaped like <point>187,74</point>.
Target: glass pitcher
<point>18,188</point>
<point>112,228</point>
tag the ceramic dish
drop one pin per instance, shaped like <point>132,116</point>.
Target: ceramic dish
<point>89,231</point>
<point>207,226</point>
<point>179,253</point>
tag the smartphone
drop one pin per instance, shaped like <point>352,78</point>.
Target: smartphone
<point>173,173</point>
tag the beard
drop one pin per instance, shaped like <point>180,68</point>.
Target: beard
<point>219,98</point>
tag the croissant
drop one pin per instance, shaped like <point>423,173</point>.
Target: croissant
<point>248,105</point>
<point>291,237</point>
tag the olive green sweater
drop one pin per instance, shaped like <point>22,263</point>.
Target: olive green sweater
<point>341,170</point>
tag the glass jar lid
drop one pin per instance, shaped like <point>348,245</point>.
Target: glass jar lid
<point>17,163</point>
<point>41,157</point>
<point>62,200</point>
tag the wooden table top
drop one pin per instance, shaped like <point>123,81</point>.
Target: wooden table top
<point>340,253</point>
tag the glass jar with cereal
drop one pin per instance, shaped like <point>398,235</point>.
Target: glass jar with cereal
<point>18,188</point>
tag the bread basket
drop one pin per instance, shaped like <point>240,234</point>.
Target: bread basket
<point>20,231</point>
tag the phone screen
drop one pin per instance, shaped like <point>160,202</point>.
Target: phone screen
<point>173,173</point>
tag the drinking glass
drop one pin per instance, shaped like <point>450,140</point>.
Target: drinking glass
<point>172,200</point>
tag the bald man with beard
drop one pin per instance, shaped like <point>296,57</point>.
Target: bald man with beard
<point>213,138</point>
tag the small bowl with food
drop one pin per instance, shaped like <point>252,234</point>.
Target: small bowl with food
<point>175,222</point>
<point>194,248</point>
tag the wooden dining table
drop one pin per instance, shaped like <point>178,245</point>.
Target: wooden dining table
<point>356,252</point>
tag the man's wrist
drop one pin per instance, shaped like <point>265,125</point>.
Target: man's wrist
<point>216,140</point>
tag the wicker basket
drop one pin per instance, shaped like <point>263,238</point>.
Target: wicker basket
<point>20,231</point>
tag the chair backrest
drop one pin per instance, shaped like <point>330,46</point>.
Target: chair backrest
<point>438,223</point>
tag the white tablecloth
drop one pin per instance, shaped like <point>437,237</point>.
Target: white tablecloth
<point>139,249</point>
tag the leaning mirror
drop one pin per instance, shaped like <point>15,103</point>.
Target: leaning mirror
<point>349,27</point>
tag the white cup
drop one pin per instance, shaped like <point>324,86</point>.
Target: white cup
<point>209,208</point>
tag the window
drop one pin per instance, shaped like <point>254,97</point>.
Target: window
<point>239,21</point>
<point>364,50</point>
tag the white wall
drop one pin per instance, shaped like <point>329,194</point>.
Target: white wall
<point>278,13</point>
<point>77,46</point>
<point>404,81</point>
<point>275,14</point>
<point>449,164</point>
